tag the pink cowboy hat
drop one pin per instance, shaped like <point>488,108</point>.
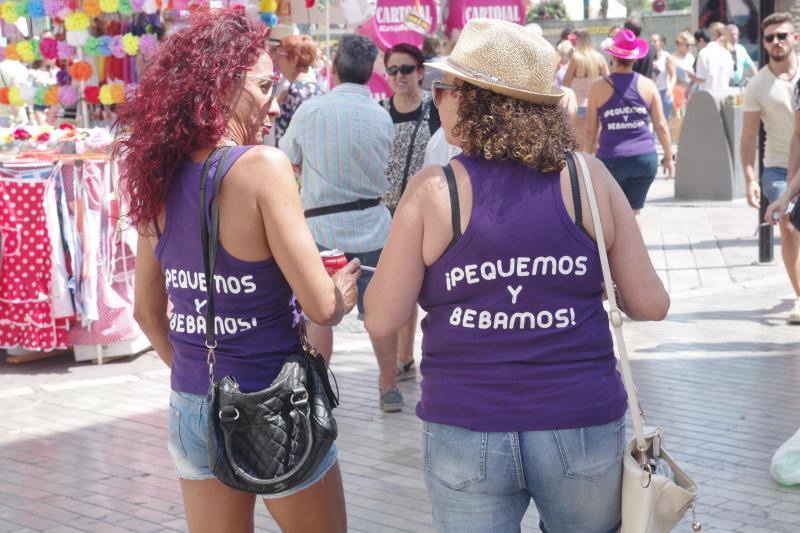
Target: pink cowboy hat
<point>625,45</point>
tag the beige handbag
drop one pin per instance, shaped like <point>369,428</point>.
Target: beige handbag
<point>651,502</point>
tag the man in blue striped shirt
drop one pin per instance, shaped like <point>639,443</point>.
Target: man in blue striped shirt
<point>342,141</point>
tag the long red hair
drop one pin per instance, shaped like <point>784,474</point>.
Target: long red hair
<point>179,106</point>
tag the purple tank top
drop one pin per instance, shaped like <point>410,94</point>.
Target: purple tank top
<point>257,314</point>
<point>516,337</point>
<point>625,120</point>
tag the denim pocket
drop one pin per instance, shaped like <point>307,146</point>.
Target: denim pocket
<point>589,452</point>
<point>454,456</point>
<point>175,444</point>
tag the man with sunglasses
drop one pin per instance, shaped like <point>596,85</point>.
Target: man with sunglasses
<point>769,98</point>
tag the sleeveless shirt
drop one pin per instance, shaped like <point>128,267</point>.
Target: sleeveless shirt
<point>516,337</point>
<point>257,316</point>
<point>625,120</point>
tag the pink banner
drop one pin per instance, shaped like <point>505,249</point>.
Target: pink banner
<point>462,11</point>
<point>379,87</point>
<point>387,27</point>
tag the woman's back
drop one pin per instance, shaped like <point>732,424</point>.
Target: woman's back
<point>256,313</point>
<point>516,337</point>
<point>625,117</point>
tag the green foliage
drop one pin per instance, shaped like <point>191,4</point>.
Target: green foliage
<point>547,10</point>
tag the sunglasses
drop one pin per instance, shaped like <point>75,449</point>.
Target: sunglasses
<point>268,85</point>
<point>782,36</point>
<point>405,70</point>
<point>438,87</point>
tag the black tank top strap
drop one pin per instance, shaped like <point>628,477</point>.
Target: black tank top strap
<point>455,206</point>
<point>576,191</point>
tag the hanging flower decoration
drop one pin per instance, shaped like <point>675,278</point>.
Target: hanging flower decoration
<point>43,137</point>
<point>25,51</point>
<point>36,9</point>
<point>109,6</point>
<point>81,70</point>
<point>148,45</point>
<point>77,20</point>
<point>125,7</point>
<point>54,8</point>
<point>270,19</point>
<point>137,5</point>
<point>4,95</point>
<point>68,95</point>
<point>65,50</point>
<point>91,94</point>
<point>22,8</point>
<point>51,95</point>
<point>180,4</point>
<point>92,8</point>
<point>49,48</point>
<point>117,50</point>
<point>130,43</point>
<point>268,6</point>
<point>104,46</point>
<point>149,7</point>
<point>118,93</point>
<point>91,45</point>
<point>11,52</point>
<point>63,77</point>
<point>15,97</point>
<point>106,98</point>
<point>8,11</point>
<point>21,134</point>
<point>27,93</point>
<point>38,98</point>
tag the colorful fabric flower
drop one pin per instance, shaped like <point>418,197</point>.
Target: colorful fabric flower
<point>92,8</point>
<point>63,77</point>
<point>8,11</point>
<point>43,137</point>
<point>150,7</point>
<point>25,51</point>
<point>137,5</point>
<point>53,8</point>
<point>36,9</point>
<point>91,94</point>
<point>270,19</point>
<point>21,134</point>
<point>109,6</point>
<point>22,8</point>
<point>130,43</point>
<point>118,93</point>
<point>148,44</point>
<point>15,97</point>
<point>90,46</point>
<point>51,95</point>
<point>81,70</point>
<point>38,98</point>
<point>77,20</point>
<point>117,50</point>
<point>65,50</point>
<point>77,38</point>
<point>10,52</point>
<point>64,126</point>
<point>104,45</point>
<point>4,95</point>
<point>106,97</point>
<point>68,95</point>
<point>49,48</point>
<point>125,7</point>
<point>268,6</point>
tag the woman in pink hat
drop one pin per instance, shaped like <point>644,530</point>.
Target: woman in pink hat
<point>624,104</point>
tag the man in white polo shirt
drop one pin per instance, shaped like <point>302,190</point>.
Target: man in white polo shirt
<point>715,64</point>
<point>769,98</point>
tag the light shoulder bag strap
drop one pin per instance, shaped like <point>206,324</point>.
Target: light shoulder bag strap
<point>614,314</point>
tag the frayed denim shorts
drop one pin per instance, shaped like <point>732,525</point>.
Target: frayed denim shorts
<point>188,443</point>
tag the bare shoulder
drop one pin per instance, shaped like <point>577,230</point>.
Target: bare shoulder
<point>646,86</point>
<point>600,176</point>
<point>261,169</point>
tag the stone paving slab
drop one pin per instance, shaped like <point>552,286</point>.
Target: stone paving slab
<point>83,448</point>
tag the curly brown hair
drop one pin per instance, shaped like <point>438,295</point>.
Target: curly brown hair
<point>499,127</point>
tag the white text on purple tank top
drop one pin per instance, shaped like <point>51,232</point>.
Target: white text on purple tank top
<point>612,122</point>
<point>517,268</point>
<point>196,281</point>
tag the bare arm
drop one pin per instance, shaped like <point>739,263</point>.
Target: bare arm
<point>570,74</point>
<point>672,73</point>
<point>592,121</point>
<point>291,242</point>
<point>794,148</point>
<point>150,300</point>
<point>747,149</point>
<point>660,126</point>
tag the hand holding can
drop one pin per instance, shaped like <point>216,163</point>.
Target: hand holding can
<point>334,260</point>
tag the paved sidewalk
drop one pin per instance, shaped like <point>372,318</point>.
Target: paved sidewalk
<point>83,448</point>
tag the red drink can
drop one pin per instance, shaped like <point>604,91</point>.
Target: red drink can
<point>334,260</point>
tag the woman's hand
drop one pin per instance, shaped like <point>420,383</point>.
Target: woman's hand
<point>345,281</point>
<point>669,167</point>
<point>776,210</point>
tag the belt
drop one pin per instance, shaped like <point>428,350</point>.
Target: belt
<point>358,205</point>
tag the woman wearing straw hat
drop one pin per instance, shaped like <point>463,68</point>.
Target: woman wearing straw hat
<point>624,104</point>
<point>520,396</point>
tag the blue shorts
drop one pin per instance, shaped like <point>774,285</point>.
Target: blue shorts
<point>582,111</point>
<point>188,443</point>
<point>482,482</point>
<point>367,259</point>
<point>634,174</point>
<point>666,102</point>
<point>773,183</point>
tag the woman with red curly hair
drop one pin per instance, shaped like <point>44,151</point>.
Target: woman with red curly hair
<point>212,85</point>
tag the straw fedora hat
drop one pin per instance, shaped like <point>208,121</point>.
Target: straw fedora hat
<point>505,58</point>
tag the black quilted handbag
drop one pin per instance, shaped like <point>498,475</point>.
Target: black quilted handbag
<point>271,440</point>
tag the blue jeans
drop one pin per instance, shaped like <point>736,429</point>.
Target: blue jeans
<point>367,259</point>
<point>634,174</point>
<point>773,183</point>
<point>483,482</point>
<point>188,443</point>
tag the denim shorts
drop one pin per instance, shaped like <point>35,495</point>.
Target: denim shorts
<point>582,111</point>
<point>482,482</point>
<point>188,443</point>
<point>666,102</point>
<point>367,259</point>
<point>634,174</point>
<point>773,183</point>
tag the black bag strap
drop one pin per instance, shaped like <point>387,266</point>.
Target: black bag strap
<point>576,190</point>
<point>358,205</point>
<point>210,237</point>
<point>455,206</point>
<point>622,96</point>
<point>425,111</point>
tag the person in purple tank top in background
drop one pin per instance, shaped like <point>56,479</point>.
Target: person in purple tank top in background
<point>212,85</point>
<point>624,104</point>
<point>521,399</point>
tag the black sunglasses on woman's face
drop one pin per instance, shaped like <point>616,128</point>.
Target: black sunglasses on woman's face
<point>405,70</point>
